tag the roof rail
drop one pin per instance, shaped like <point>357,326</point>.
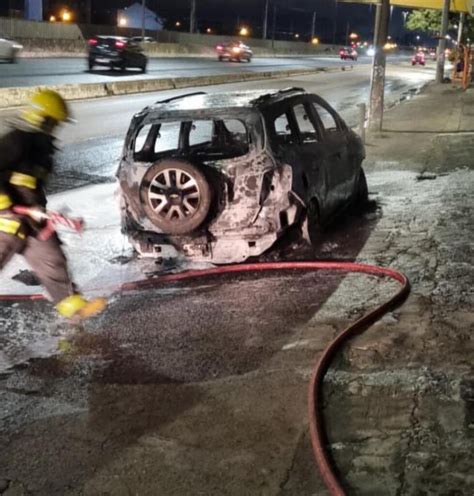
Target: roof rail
<point>290,89</point>
<point>168,100</point>
<point>273,94</point>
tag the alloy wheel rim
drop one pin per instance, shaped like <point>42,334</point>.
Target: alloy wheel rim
<point>174,195</point>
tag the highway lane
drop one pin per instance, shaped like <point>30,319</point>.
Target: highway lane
<point>39,71</point>
<point>91,148</point>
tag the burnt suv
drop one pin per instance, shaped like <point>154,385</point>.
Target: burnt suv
<point>221,177</point>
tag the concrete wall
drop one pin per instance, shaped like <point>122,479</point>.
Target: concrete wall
<point>19,29</point>
<point>30,32</point>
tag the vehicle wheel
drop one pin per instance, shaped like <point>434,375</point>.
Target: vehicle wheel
<point>413,63</point>
<point>362,191</point>
<point>90,65</point>
<point>311,228</point>
<point>220,59</point>
<point>176,196</point>
<point>143,68</point>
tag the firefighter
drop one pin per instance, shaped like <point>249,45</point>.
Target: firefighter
<point>26,160</point>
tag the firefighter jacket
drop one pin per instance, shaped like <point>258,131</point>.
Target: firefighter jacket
<point>26,160</point>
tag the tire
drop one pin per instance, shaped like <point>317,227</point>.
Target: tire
<point>220,59</point>
<point>90,65</point>
<point>143,68</point>
<point>311,230</point>
<point>175,208</point>
<point>362,190</point>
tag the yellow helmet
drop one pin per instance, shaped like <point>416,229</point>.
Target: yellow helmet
<point>46,104</point>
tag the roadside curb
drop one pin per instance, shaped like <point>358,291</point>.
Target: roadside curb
<point>15,97</point>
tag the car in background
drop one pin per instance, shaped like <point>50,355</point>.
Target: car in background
<point>9,49</point>
<point>234,51</point>
<point>221,177</point>
<point>418,58</point>
<point>116,52</point>
<point>346,53</point>
<point>146,39</point>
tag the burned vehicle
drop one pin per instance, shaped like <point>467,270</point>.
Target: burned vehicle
<point>221,177</point>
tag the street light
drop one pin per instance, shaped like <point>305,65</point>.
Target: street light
<point>297,36</point>
<point>353,36</point>
<point>178,24</point>
<point>315,41</point>
<point>244,31</point>
<point>52,18</point>
<point>208,30</point>
<point>66,16</point>
<point>122,22</point>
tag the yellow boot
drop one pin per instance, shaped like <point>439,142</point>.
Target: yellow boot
<point>76,307</point>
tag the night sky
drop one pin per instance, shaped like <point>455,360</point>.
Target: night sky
<point>223,16</point>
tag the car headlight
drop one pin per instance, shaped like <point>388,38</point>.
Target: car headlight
<point>236,49</point>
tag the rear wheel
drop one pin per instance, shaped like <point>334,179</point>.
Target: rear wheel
<point>176,196</point>
<point>311,228</point>
<point>362,192</point>
<point>90,64</point>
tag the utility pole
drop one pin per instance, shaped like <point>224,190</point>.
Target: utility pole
<point>313,26</point>
<point>143,19</point>
<point>442,43</point>
<point>88,16</point>
<point>347,34</point>
<point>274,25</point>
<point>377,84</point>
<point>462,17</point>
<point>335,23</point>
<point>192,21</point>
<point>265,20</point>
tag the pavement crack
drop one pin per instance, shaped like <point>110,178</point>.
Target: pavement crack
<point>414,425</point>
<point>290,469</point>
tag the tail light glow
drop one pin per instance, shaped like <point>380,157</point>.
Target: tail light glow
<point>119,44</point>
<point>92,42</point>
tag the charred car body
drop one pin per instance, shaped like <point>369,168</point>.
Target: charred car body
<point>221,177</point>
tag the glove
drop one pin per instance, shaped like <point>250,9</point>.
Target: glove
<point>36,213</point>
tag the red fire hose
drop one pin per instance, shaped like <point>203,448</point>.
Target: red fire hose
<point>316,423</point>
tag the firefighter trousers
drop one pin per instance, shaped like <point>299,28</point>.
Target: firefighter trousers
<point>46,258</point>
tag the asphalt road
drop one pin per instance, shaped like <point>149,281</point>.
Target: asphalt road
<point>37,71</point>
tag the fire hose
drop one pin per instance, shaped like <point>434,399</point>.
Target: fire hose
<point>315,403</point>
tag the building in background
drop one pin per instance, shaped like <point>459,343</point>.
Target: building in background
<point>34,10</point>
<point>132,17</point>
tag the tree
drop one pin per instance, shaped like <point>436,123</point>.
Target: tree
<point>424,20</point>
<point>430,21</point>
